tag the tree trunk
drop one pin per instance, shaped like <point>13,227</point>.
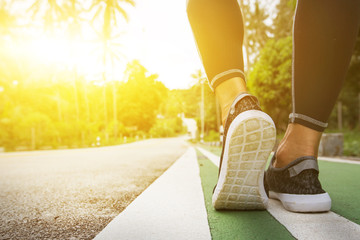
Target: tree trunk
<point>339,115</point>
<point>58,100</point>
<point>33,138</point>
<point>218,118</point>
<point>245,43</point>
<point>76,97</point>
<point>202,112</point>
<point>359,112</point>
<point>86,102</point>
<point>114,109</point>
<point>104,93</point>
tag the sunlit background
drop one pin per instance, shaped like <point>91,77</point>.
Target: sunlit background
<point>82,73</point>
<point>71,34</point>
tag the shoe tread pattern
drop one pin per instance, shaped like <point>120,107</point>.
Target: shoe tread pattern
<point>249,148</point>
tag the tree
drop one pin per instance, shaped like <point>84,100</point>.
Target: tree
<point>7,20</point>
<point>199,76</point>
<point>283,21</point>
<point>140,97</point>
<point>350,93</point>
<point>73,10</point>
<point>270,79</point>
<point>108,11</point>
<point>256,30</point>
<point>189,102</point>
<point>52,16</point>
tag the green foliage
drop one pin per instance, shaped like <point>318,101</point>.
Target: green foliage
<point>36,112</point>
<point>212,136</point>
<point>7,20</point>
<point>166,127</point>
<point>257,31</point>
<point>283,22</point>
<point>187,102</point>
<point>351,146</point>
<point>351,141</point>
<point>108,11</point>
<point>50,104</point>
<point>140,97</point>
<point>350,94</point>
<point>174,104</point>
<point>193,103</point>
<point>270,79</point>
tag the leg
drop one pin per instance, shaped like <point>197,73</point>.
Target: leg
<point>218,30</point>
<point>324,38</point>
<point>249,133</point>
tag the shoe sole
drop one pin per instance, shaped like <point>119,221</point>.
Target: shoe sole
<point>249,142</point>
<point>303,202</point>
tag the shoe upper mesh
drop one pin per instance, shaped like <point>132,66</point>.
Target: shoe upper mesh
<point>306,182</point>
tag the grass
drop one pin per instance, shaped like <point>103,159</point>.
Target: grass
<point>352,143</point>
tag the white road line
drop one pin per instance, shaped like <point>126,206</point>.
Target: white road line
<point>212,157</point>
<point>331,159</point>
<point>216,159</point>
<point>339,160</point>
<point>171,208</point>
<point>315,226</point>
<point>308,226</point>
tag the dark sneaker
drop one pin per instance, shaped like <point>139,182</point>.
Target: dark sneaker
<point>297,186</point>
<point>249,137</point>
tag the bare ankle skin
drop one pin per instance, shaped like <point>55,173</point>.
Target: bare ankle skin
<point>298,141</point>
<point>226,92</point>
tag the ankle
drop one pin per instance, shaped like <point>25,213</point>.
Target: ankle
<point>226,92</point>
<point>224,112</point>
<point>298,141</point>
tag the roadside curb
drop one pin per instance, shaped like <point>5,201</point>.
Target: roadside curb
<point>170,208</point>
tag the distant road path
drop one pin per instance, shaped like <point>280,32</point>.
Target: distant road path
<point>74,194</point>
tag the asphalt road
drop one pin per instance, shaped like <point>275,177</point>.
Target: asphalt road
<point>74,194</point>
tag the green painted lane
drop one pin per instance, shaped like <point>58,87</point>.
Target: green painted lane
<point>342,182</point>
<point>236,224</point>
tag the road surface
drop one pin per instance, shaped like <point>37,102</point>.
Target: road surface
<point>74,194</point>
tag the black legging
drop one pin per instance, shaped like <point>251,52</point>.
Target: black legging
<point>324,37</point>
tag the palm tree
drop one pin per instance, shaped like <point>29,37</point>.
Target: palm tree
<point>283,21</point>
<point>256,30</point>
<point>68,12</point>
<point>7,20</point>
<point>73,11</point>
<point>52,16</point>
<point>199,76</point>
<point>259,29</point>
<point>73,20</point>
<point>108,11</point>
<point>245,10</point>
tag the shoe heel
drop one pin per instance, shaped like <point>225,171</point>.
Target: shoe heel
<point>249,142</point>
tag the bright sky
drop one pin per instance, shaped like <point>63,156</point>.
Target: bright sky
<point>162,40</point>
<point>158,35</point>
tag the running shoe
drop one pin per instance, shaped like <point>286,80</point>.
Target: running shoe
<point>297,186</point>
<point>249,137</point>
